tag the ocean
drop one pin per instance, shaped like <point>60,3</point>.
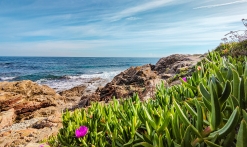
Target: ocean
<point>61,73</point>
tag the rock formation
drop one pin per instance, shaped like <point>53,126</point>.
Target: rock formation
<point>25,97</point>
<point>143,79</point>
<point>22,105</point>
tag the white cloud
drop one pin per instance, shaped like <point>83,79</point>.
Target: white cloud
<point>223,4</point>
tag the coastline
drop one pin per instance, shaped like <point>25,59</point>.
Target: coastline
<point>42,106</point>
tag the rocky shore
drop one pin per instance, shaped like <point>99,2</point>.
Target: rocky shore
<point>30,112</point>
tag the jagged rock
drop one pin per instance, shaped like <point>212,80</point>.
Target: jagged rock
<point>27,88</point>
<point>28,103</point>
<point>166,76</point>
<point>143,79</point>
<point>125,84</point>
<point>171,63</point>
<point>84,102</point>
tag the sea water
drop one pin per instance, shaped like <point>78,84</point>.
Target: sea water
<point>63,73</point>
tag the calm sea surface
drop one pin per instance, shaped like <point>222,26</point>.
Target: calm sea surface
<point>63,73</point>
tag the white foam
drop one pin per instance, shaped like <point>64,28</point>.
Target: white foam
<point>6,78</point>
<point>103,75</point>
<point>71,81</point>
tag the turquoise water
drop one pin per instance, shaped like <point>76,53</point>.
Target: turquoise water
<point>65,72</point>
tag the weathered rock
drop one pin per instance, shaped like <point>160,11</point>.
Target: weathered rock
<point>7,118</point>
<point>143,79</point>
<point>125,84</point>
<point>84,102</point>
<point>27,88</point>
<point>25,97</point>
<point>22,137</point>
<point>173,63</point>
<point>37,109</point>
<point>166,76</point>
<point>75,91</point>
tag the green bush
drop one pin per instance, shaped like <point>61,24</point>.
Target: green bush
<point>234,49</point>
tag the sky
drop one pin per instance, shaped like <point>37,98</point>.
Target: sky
<point>116,28</point>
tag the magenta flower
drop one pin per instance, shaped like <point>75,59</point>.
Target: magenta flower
<point>44,145</point>
<point>81,132</point>
<point>185,79</point>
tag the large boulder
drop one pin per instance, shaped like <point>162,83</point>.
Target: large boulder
<point>176,63</point>
<point>128,82</point>
<point>29,112</point>
<point>26,97</point>
<point>73,92</point>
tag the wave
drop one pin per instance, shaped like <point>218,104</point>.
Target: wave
<point>67,82</point>
<point>103,75</point>
<point>6,78</point>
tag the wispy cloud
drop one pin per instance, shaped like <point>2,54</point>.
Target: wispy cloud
<point>223,4</point>
<point>140,8</point>
<point>133,18</point>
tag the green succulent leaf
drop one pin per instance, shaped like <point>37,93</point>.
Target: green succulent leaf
<point>204,92</point>
<point>215,109</point>
<point>211,144</point>
<point>226,92</point>
<point>229,126</point>
<point>242,135</point>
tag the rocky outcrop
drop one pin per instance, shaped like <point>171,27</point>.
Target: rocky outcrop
<point>143,79</point>
<point>26,97</point>
<point>125,84</point>
<point>133,80</point>
<point>28,112</point>
<point>174,63</point>
<point>74,92</point>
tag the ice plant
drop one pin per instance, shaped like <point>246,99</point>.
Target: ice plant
<point>184,78</point>
<point>81,132</point>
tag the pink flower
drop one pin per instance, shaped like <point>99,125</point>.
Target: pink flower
<point>81,132</point>
<point>185,79</point>
<point>44,145</point>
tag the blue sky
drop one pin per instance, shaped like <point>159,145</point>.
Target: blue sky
<point>116,28</point>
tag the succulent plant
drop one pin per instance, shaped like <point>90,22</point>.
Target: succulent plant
<point>208,109</point>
